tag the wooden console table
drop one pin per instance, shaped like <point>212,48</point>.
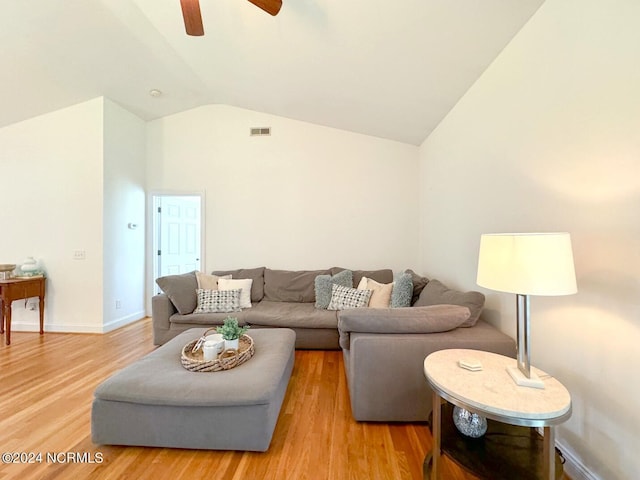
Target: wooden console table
<point>18,289</point>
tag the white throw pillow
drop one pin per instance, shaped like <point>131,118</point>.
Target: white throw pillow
<point>381,292</point>
<point>209,282</point>
<point>242,283</point>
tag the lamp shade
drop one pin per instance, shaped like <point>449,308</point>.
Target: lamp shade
<point>527,263</point>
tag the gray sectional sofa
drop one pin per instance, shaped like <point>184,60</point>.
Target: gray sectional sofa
<point>280,298</point>
<point>383,348</point>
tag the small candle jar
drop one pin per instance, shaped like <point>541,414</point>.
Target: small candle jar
<point>210,351</point>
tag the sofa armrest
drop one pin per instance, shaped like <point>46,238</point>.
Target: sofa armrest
<point>161,310</point>
<point>431,319</point>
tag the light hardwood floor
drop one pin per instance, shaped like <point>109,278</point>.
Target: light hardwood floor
<point>46,390</point>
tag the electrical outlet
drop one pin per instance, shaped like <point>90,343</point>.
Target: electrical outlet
<point>118,304</point>
<point>79,255</point>
<point>31,305</point>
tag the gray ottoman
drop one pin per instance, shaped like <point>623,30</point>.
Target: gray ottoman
<point>156,402</point>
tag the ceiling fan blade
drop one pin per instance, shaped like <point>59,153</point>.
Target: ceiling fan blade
<point>272,7</point>
<point>192,17</point>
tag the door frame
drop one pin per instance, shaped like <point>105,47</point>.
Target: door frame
<point>152,231</point>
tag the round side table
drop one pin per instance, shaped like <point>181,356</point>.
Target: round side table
<point>492,393</point>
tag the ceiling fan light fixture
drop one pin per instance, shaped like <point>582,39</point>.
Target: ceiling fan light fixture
<point>192,17</point>
<point>272,7</point>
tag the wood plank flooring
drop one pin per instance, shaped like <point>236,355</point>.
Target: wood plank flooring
<point>46,390</point>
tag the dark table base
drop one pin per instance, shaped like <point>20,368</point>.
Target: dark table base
<point>505,452</point>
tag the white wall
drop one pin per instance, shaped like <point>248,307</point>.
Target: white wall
<point>124,203</point>
<point>51,170</point>
<point>549,139</point>
<point>306,197</point>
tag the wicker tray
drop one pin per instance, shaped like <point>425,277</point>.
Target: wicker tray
<point>193,361</point>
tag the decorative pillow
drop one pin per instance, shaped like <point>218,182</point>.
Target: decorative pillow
<point>210,301</point>
<point>436,293</point>
<point>345,297</point>
<point>402,291</point>
<point>255,274</point>
<point>181,290</point>
<point>380,292</point>
<point>323,284</point>
<point>242,283</point>
<point>418,284</point>
<point>209,282</point>
<point>382,276</point>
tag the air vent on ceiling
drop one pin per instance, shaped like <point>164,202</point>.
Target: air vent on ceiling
<point>260,131</point>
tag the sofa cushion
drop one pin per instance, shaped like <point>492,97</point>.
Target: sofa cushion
<point>244,284</point>
<point>204,319</point>
<point>418,285</point>
<point>291,286</point>
<point>380,292</point>
<point>208,282</point>
<point>292,315</point>
<point>210,301</point>
<point>343,298</point>
<point>402,293</point>
<point>181,290</point>
<point>381,276</point>
<point>255,274</point>
<point>323,284</point>
<point>436,293</point>
<point>432,319</point>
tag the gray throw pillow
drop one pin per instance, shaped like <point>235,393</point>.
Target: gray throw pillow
<point>323,284</point>
<point>402,292</point>
<point>436,293</point>
<point>181,290</point>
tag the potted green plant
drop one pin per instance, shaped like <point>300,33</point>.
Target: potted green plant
<point>231,332</point>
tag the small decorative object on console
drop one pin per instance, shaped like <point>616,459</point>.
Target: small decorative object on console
<point>6,270</point>
<point>469,424</point>
<point>29,265</point>
<point>29,268</point>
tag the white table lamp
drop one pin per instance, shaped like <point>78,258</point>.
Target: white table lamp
<point>526,264</point>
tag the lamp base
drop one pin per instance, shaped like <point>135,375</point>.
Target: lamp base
<point>520,378</point>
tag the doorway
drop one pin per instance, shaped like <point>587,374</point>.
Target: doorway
<point>177,234</point>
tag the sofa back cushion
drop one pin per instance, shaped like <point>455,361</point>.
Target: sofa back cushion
<point>255,274</point>
<point>436,293</point>
<point>181,290</point>
<point>291,286</point>
<point>380,276</point>
<point>419,282</point>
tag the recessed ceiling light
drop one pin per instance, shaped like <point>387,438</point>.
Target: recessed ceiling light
<point>154,92</point>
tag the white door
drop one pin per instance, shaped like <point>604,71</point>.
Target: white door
<point>177,231</point>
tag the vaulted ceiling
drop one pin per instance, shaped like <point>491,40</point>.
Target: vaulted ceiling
<point>382,68</point>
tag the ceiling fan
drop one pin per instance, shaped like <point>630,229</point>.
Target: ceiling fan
<point>193,18</point>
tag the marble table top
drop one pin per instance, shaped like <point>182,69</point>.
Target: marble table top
<point>492,392</point>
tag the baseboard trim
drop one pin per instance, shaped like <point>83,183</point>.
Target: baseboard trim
<point>62,328</point>
<point>573,467</point>
<point>121,322</point>
<point>55,328</point>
